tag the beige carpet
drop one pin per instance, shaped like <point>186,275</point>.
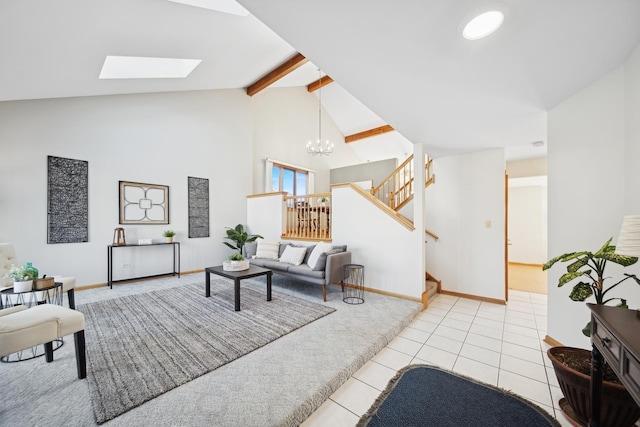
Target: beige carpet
<point>527,278</point>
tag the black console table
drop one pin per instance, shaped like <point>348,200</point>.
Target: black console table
<point>615,338</point>
<point>176,261</point>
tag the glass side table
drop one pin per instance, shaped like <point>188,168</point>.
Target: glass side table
<point>354,283</point>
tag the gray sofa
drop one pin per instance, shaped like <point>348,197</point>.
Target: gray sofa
<point>329,268</point>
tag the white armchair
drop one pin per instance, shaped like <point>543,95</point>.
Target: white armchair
<point>8,258</point>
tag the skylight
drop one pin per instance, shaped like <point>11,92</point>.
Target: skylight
<point>224,6</point>
<point>483,25</point>
<point>134,67</point>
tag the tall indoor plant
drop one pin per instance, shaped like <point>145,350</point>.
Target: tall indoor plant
<point>238,235</point>
<point>572,365</point>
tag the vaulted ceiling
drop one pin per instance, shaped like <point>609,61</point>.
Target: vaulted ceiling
<point>404,60</point>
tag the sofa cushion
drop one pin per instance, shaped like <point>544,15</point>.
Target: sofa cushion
<point>249,249</point>
<point>275,265</point>
<point>342,248</point>
<point>320,248</point>
<point>309,250</point>
<point>304,270</point>
<point>268,249</point>
<point>293,255</point>
<point>259,262</point>
<point>322,259</point>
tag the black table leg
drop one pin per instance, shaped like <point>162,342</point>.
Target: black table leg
<point>269,286</point>
<point>207,284</point>
<point>597,366</point>
<point>237,288</point>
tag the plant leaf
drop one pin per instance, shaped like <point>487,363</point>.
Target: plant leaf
<point>229,245</point>
<point>581,292</point>
<point>623,303</point>
<point>567,277</point>
<point>587,330</point>
<point>604,248</point>
<point>552,261</point>
<point>623,260</point>
<point>579,263</point>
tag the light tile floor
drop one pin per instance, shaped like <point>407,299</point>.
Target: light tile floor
<point>501,345</point>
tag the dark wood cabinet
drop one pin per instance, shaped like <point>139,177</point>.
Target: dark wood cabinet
<point>615,337</point>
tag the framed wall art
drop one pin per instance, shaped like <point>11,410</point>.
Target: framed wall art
<point>198,207</point>
<point>67,200</point>
<point>143,203</point>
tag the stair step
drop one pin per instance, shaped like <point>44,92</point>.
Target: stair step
<point>432,288</point>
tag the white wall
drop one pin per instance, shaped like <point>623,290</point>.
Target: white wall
<point>378,242</point>
<point>152,138</point>
<point>593,182</point>
<point>265,216</point>
<point>469,191</point>
<point>284,119</point>
<point>527,223</point>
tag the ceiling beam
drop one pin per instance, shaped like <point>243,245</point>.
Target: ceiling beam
<point>321,82</point>
<point>368,133</point>
<point>277,73</point>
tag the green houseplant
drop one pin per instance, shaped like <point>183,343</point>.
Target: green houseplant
<point>238,235</point>
<point>22,277</point>
<point>168,235</point>
<point>589,267</point>
<point>572,365</point>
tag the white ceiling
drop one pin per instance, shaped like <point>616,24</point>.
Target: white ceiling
<point>405,60</point>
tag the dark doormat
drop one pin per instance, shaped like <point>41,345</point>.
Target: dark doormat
<point>423,395</point>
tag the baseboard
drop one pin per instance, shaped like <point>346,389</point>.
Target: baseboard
<point>474,297</point>
<point>100,285</point>
<point>552,342</point>
<point>392,294</point>
<point>524,264</point>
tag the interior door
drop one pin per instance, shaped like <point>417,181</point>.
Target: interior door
<point>506,237</point>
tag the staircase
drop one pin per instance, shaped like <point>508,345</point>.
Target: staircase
<point>398,188</point>
<point>432,287</point>
<point>396,191</point>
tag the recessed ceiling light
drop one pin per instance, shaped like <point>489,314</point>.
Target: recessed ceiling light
<point>134,67</point>
<point>224,6</point>
<point>483,25</point>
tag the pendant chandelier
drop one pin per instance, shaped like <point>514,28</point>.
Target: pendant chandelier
<point>323,148</point>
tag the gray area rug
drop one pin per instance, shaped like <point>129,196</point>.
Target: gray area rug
<point>279,384</point>
<point>141,346</point>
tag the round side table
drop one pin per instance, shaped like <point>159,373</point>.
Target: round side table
<point>354,283</point>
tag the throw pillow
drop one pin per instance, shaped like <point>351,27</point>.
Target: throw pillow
<point>320,248</point>
<point>249,249</point>
<point>267,249</point>
<point>293,255</point>
<point>322,260</point>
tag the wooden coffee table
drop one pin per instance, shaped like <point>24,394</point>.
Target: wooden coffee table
<point>236,276</point>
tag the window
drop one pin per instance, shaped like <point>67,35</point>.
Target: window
<point>289,179</point>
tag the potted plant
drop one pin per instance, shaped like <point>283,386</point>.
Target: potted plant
<point>573,365</point>
<point>22,277</point>
<point>168,235</point>
<point>239,237</point>
<point>236,262</point>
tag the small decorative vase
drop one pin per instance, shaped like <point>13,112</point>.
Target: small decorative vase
<point>24,286</point>
<point>169,239</point>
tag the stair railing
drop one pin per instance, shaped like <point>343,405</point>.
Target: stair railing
<point>397,189</point>
<point>308,217</point>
